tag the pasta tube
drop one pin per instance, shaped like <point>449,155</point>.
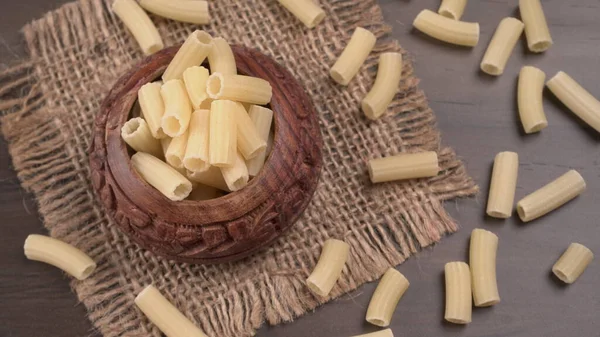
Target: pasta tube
<point>211,177</point>
<point>192,53</point>
<point>329,268</point>
<point>385,87</point>
<point>153,107</point>
<point>196,151</point>
<point>404,166</point>
<point>176,151</point>
<point>262,119</point>
<point>135,133</point>
<point>354,55</point>
<point>576,98</point>
<point>223,133</point>
<point>305,10</point>
<point>503,186</point>
<point>179,10</point>
<point>551,196</point>
<point>195,83</point>
<point>221,59</point>
<point>381,333</point>
<point>59,254</point>
<point>531,108</point>
<point>178,108</point>
<point>484,245</point>
<point>501,46</point>
<point>390,289</point>
<point>161,176</point>
<point>458,293</point>
<point>236,177</point>
<point>239,88</point>
<point>204,192</point>
<point>452,9</point>
<point>164,144</point>
<point>573,263</point>
<point>536,28</point>
<point>447,30</point>
<point>249,140</point>
<point>139,24</point>
<point>165,315</point>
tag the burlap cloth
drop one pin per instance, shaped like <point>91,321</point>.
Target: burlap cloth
<point>79,50</point>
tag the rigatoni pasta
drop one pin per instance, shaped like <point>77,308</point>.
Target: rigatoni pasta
<point>390,289</point>
<point>239,88</point>
<point>178,109</point>
<point>176,151</point>
<point>452,9</point>
<point>459,300</point>
<point>404,166</point>
<point>211,177</point>
<point>501,46</point>
<point>153,107</point>
<point>221,59</point>
<point>197,150</point>
<point>195,79</point>
<point>536,27</point>
<point>306,11</point>
<point>195,11</point>
<point>249,141</point>
<point>262,118</point>
<point>573,263</point>
<point>381,333</point>
<point>135,133</point>
<point>139,24</point>
<point>223,133</point>
<point>354,55</point>
<point>192,53</point>
<point>329,268</point>
<point>503,185</point>
<point>530,91</point>
<point>236,176</point>
<point>482,255</point>
<point>447,30</point>
<point>386,84</point>
<point>161,176</point>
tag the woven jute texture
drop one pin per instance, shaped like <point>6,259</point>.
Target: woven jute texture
<point>76,54</point>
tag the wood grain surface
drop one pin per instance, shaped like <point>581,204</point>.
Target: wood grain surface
<point>477,115</point>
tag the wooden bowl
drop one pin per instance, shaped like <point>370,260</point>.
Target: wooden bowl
<point>223,229</point>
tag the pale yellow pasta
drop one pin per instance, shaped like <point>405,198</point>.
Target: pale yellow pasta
<point>536,28</point>
<point>444,29</point>
<point>383,303</point>
<point>381,333</point>
<point>211,177</point>
<point>482,255</point>
<point>249,140</point>
<point>386,84</point>
<point>193,52</point>
<point>452,9</point>
<point>139,24</point>
<point>204,192</point>
<point>501,46</point>
<point>223,133</point>
<point>459,300</point>
<point>161,176</point>
<point>236,177</point>
<point>239,88</point>
<point>196,152</point>
<point>221,59</point>
<point>153,107</point>
<point>503,185</point>
<point>306,11</point>
<point>329,268</point>
<point>404,166</point>
<point>262,119</point>
<point>576,98</point>
<point>135,133</point>
<point>192,11</point>
<point>573,263</point>
<point>59,254</point>
<point>176,151</point>
<point>164,144</point>
<point>195,83</point>
<point>531,108</point>
<point>551,196</point>
<point>165,315</point>
<point>178,109</point>
<point>354,55</point>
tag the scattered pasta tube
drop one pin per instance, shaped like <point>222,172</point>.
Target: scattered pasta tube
<point>452,9</point>
<point>459,300</point>
<point>223,133</point>
<point>386,84</point>
<point>503,186</point>
<point>196,151</point>
<point>179,10</point>
<point>153,107</point>
<point>165,315</point>
<point>573,263</point>
<point>239,88</point>
<point>139,24</point>
<point>381,333</point>
<point>211,177</point>
<point>329,268</point>
<point>204,192</point>
<point>221,59</point>
<point>551,196</point>
<point>178,108</point>
<point>192,53</point>
<point>249,140</point>
<point>501,46</point>
<point>404,166</point>
<point>536,28</point>
<point>59,254</point>
<point>195,83</point>
<point>176,151</point>
<point>390,289</point>
<point>236,177</point>
<point>306,11</point>
<point>354,55</point>
<point>484,245</point>
<point>576,98</point>
<point>447,30</point>
<point>161,176</point>
<point>531,108</point>
<point>135,133</point>
<point>262,119</point>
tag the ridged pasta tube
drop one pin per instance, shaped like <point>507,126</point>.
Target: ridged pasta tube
<point>530,92</point>
<point>193,52</point>
<point>447,30</point>
<point>236,176</point>
<point>383,303</point>
<point>135,133</point>
<point>195,83</point>
<point>196,152</point>
<point>223,133</point>
<point>176,151</point>
<point>161,176</point>
<point>404,166</point>
<point>484,245</point>
<point>262,119</point>
<point>221,58</point>
<point>536,27</point>
<point>386,84</point>
<point>249,141</point>
<point>501,46</point>
<point>239,88</point>
<point>354,55</point>
<point>211,177</point>
<point>191,11</point>
<point>459,301</point>
<point>306,11</point>
<point>573,263</point>
<point>178,109</point>
<point>139,24</point>
<point>153,107</point>
<point>329,268</point>
<point>503,185</point>
<point>452,9</point>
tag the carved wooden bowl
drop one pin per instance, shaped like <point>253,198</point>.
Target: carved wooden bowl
<point>223,229</point>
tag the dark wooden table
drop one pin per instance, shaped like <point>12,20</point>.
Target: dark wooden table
<point>477,115</point>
